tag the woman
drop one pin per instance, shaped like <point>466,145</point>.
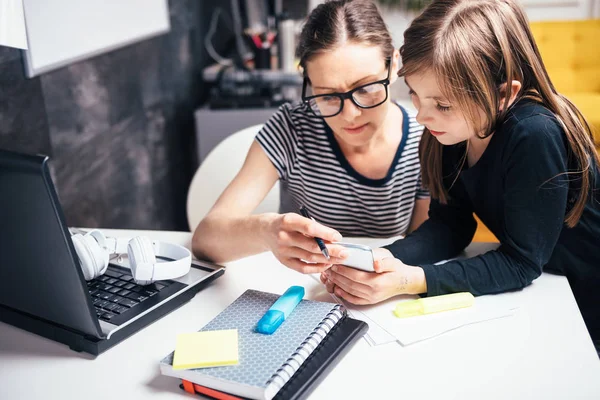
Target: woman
<point>346,152</point>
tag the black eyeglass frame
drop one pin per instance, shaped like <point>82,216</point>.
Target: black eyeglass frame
<point>347,95</point>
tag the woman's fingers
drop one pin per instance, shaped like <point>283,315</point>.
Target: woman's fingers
<point>296,239</point>
<point>309,257</point>
<point>298,231</point>
<point>309,227</point>
<point>303,267</point>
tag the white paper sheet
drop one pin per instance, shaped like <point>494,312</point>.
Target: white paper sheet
<point>376,335</point>
<point>415,329</point>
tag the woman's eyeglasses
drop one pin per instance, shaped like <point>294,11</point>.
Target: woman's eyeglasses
<point>331,104</point>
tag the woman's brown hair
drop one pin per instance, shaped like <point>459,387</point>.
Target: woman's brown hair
<point>473,47</point>
<point>334,23</point>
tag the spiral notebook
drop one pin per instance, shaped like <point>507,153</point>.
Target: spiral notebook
<point>274,364</point>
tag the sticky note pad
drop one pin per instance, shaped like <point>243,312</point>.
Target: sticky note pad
<point>428,305</point>
<point>206,349</point>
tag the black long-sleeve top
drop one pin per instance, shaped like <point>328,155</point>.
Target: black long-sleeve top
<point>520,190</point>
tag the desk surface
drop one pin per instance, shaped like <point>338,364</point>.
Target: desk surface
<point>544,351</point>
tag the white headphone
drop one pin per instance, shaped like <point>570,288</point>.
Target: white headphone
<point>94,250</point>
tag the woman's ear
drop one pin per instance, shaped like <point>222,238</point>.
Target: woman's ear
<point>395,66</point>
<point>515,87</point>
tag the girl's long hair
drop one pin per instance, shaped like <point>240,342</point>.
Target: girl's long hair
<point>473,47</point>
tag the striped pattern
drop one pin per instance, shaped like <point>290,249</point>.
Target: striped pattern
<point>314,172</point>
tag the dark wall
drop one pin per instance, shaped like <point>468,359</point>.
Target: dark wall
<point>119,127</point>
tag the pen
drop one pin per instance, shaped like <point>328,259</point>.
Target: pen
<point>280,310</point>
<point>319,241</point>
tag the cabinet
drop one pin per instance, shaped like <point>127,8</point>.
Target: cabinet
<point>212,126</point>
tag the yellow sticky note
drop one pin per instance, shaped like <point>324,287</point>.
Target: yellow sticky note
<point>206,349</point>
<point>429,305</point>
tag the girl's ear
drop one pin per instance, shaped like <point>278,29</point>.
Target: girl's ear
<point>515,87</point>
<point>395,66</point>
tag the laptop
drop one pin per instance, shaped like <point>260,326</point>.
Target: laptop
<point>42,288</point>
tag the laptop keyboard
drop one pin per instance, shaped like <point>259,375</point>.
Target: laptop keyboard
<point>115,294</point>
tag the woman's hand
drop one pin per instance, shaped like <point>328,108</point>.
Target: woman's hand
<point>391,277</point>
<point>291,238</point>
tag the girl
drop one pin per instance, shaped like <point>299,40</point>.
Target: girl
<point>347,153</point>
<point>500,141</point>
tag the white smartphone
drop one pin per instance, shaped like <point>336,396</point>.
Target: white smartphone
<point>359,256</point>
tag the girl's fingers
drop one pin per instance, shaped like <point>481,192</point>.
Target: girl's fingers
<point>323,278</point>
<point>330,287</point>
<point>385,265</point>
<point>349,285</point>
<point>353,274</point>
<point>349,297</point>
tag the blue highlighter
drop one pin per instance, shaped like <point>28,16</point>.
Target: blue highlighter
<point>280,310</point>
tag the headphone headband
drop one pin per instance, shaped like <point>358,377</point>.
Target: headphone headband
<point>182,260</point>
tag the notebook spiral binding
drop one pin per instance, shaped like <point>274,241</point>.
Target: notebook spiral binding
<point>293,363</point>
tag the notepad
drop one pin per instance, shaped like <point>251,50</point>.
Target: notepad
<point>206,349</point>
<point>285,365</point>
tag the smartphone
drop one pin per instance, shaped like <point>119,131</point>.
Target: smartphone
<point>359,256</point>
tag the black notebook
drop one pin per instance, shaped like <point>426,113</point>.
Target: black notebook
<point>285,365</point>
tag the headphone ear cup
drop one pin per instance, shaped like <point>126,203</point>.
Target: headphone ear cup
<point>141,259</point>
<point>97,242</point>
<point>85,258</point>
<point>91,256</point>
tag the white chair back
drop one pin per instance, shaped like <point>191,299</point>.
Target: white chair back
<point>219,168</point>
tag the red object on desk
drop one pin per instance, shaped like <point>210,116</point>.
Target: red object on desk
<point>215,394</point>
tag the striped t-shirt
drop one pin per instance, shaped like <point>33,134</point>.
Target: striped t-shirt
<point>314,172</point>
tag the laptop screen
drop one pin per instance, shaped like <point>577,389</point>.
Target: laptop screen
<point>39,270</point>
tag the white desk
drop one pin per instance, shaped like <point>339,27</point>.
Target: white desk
<point>543,352</point>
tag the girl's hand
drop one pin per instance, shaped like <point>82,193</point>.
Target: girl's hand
<point>392,277</point>
<point>379,254</point>
<point>291,238</point>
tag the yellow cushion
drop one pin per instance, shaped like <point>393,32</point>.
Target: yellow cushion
<point>570,53</point>
<point>589,105</point>
<point>483,233</point>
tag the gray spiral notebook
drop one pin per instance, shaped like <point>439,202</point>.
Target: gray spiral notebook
<point>266,362</point>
